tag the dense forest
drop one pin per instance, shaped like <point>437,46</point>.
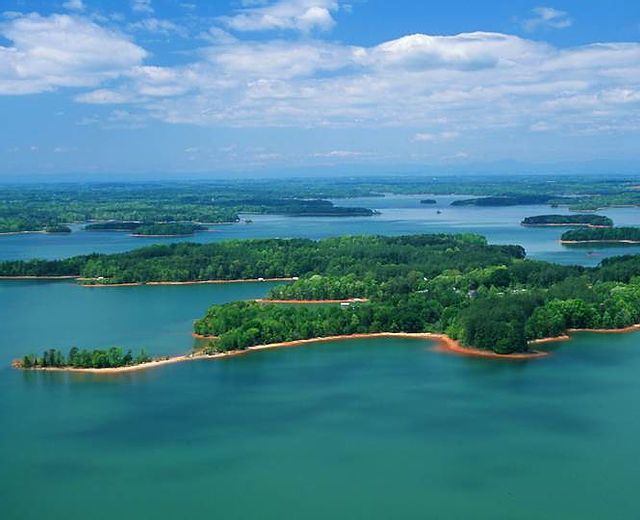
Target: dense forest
<point>618,234</point>
<point>389,258</point>
<point>113,225</point>
<point>486,296</point>
<point>568,220</point>
<point>494,306</point>
<point>81,358</point>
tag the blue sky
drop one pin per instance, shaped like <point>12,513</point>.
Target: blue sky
<point>182,88</point>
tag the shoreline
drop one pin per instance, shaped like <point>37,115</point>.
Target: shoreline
<point>312,302</point>
<point>53,277</point>
<point>568,224</point>
<point>137,284</point>
<point>181,235</point>
<point>444,344</point>
<point>600,241</point>
<point>192,282</point>
<point>6,233</point>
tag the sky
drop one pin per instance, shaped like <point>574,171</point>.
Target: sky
<point>183,88</point>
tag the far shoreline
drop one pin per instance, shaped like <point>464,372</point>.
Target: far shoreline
<point>568,224</point>
<point>600,241</point>
<point>190,282</point>
<point>138,284</point>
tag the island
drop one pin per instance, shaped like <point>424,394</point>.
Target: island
<point>617,235</point>
<point>428,201</point>
<point>484,297</point>
<point>114,357</point>
<point>113,225</point>
<point>589,221</point>
<point>506,200</point>
<point>169,229</point>
<point>57,228</point>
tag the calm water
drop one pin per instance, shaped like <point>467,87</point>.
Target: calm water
<point>399,215</point>
<point>370,429</point>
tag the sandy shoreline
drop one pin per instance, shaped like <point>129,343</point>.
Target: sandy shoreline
<point>193,282</point>
<point>569,224</point>
<point>600,241</point>
<point>181,235</point>
<point>312,302</point>
<point>6,233</point>
<point>444,344</point>
<point>61,277</point>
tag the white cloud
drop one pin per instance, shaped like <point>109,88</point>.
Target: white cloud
<point>547,18</point>
<point>427,137</point>
<point>448,85</point>
<point>300,15</point>
<point>157,26</point>
<point>61,51</point>
<point>142,6</point>
<point>456,84</point>
<point>340,154</point>
<point>74,5</point>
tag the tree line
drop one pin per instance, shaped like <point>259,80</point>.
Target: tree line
<point>81,358</point>
<point>602,235</point>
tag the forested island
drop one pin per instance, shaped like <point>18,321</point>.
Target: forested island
<point>485,296</point>
<point>168,229</point>
<point>590,221</point>
<point>621,235</point>
<point>114,357</point>
<point>507,200</point>
<point>113,225</point>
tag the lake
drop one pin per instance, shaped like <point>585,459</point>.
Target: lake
<point>371,429</point>
<point>399,215</point>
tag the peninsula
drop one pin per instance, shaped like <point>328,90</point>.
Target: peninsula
<point>485,297</point>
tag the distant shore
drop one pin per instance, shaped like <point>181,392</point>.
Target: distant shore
<point>180,235</point>
<point>192,282</point>
<point>62,277</point>
<point>600,241</point>
<point>568,224</point>
<point>40,231</point>
<point>136,284</point>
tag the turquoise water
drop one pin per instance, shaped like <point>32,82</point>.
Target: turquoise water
<point>370,429</point>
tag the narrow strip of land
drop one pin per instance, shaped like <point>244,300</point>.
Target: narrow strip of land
<point>312,302</point>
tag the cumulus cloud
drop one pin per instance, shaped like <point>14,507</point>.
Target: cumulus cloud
<point>547,18</point>
<point>61,51</point>
<point>459,82</point>
<point>301,15</point>
<point>447,85</point>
